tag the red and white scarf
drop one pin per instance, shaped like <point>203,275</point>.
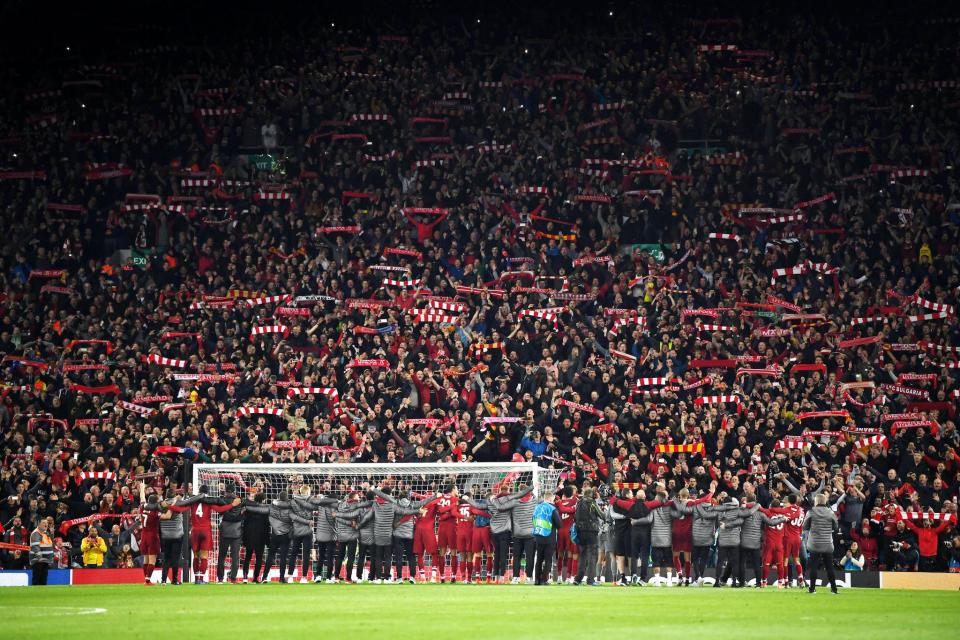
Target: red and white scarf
<point>165,362</point>
<point>274,328</point>
<point>135,408</point>
<point>869,441</point>
<point>96,475</point>
<point>923,394</point>
<point>255,411</point>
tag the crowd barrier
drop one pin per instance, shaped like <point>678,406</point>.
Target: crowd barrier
<point>847,580</point>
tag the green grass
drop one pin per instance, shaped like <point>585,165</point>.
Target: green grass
<point>351,612</point>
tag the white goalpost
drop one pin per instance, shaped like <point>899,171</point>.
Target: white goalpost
<point>338,480</point>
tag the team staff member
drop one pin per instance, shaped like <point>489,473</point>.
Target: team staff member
<point>521,512</point>
<point>256,534</point>
<point>821,525</point>
<point>231,532</point>
<point>751,539</point>
<point>41,553</point>
<point>500,525</point>
<point>280,526</point>
<point>171,541</point>
<point>587,521</point>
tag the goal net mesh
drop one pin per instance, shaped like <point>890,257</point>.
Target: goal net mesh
<point>338,480</point>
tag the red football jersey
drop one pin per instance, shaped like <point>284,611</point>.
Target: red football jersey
<point>566,507</point>
<point>464,516</point>
<point>774,534</point>
<point>200,516</point>
<point>447,508</point>
<point>794,523</point>
<point>429,518</point>
<point>150,522</point>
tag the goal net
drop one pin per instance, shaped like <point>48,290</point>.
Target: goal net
<point>338,480</point>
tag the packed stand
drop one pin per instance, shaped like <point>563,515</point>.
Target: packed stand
<point>686,249</point>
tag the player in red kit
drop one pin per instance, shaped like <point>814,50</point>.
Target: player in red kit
<point>773,547</point>
<point>150,511</point>
<point>201,533</point>
<point>481,542</point>
<point>447,533</point>
<point>425,536</point>
<point>567,552</point>
<point>464,540</point>
<point>792,530</point>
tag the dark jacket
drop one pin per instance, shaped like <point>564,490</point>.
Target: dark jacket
<point>256,528</point>
<point>587,521</point>
<point>231,523</point>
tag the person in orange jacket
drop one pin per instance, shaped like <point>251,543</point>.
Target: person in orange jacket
<point>927,541</point>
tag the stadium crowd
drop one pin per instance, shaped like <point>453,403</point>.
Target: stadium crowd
<point>698,256</point>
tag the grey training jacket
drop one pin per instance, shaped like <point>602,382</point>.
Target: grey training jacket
<point>279,512</point>
<point>383,515</point>
<point>348,515</point>
<point>403,525</point>
<point>324,523</point>
<point>301,518</point>
<point>366,526</point>
<point>499,517</point>
<point>522,515</point>
<point>731,522</point>
<point>822,524</point>
<point>704,527</point>
<point>174,528</point>
<point>661,532</point>
<point>751,536</point>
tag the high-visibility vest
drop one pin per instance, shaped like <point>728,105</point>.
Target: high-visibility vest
<point>543,519</point>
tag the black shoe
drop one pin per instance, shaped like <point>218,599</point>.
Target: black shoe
<point>834,591</point>
<point>717,585</point>
<point>811,590</point>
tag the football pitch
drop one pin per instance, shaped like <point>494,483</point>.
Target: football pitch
<point>460,611</point>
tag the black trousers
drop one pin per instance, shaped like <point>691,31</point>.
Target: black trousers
<point>279,547</point>
<point>346,549</point>
<point>258,548</point>
<point>501,551</point>
<point>640,543</point>
<point>403,546</point>
<point>545,553</point>
<point>381,562</point>
<point>728,562</point>
<point>300,545</point>
<point>587,562</point>
<point>364,552</point>
<point>523,548</point>
<point>753,556</point>
<point>326,551</point>
<point>40,570</point>
<point>231,545</point>
<point>701,555</point>
<point>171,548</point>
<point>813,566</point>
